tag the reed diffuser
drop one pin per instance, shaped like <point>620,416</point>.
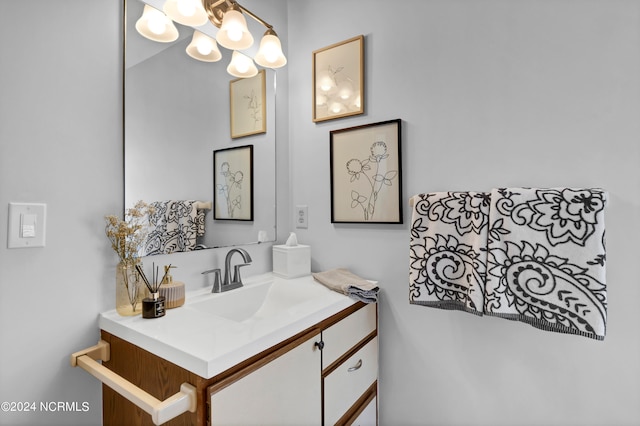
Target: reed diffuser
<point>153,306</point>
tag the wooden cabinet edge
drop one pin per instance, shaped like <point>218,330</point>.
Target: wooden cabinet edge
<point>358,407</point>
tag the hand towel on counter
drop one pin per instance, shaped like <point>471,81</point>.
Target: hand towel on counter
<point>345,282</point>
<point>448,250</point>
<point>174,227</point>
<point>546,259</point>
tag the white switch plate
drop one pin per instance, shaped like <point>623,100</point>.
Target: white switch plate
<point>301,217</point>
<point>27,225</point>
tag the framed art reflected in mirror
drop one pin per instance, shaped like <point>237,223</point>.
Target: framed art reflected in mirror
<point>247,104</point>
<point>233,183</point>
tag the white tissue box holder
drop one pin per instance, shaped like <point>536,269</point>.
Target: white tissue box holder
<point>291,261</point>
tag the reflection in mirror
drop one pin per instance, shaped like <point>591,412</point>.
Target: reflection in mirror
<point>177,112</point>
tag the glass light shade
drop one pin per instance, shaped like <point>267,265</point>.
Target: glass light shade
<point>270,53</point>
<point>321,99</point>
<point>345,90</point>
<point>325,81</point>
<point>154,25</point>
<point>337,108</point>
<point>234,34</point>
<point>241,66</point>
<point>356,102</point>
<point>186,12</point>
<point>203,48</point>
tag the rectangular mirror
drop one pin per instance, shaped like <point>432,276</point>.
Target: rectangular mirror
<point>176,114</point>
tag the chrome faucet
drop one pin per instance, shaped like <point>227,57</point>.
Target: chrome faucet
<point>229,282</point>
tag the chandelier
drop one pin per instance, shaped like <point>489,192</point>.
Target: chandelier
<point>233,33</point>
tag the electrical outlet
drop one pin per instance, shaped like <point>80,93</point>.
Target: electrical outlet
<point>301,216</point>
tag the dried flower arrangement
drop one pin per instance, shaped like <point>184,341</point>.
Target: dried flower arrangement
<point>127,237</point>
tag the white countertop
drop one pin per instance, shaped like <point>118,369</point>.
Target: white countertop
<point>207,344</point>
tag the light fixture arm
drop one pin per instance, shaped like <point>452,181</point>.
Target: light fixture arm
<point>217,8</point>
<point>255,17</point>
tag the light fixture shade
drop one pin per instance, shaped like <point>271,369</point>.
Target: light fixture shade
<point>270,53</point>
<point>233,33</point>
<point>325,82</point>
<point>337,108</point>
<point>154,25</point>
<point>203,48</point>
<point>345,90</point>
<point>241,66</point>
<point>186,12</point>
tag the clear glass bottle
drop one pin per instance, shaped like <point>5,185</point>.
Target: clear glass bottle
<point>130,290</point>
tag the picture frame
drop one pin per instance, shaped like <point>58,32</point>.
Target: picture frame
<point>233,183</point>
<point>247,105</point>
<point>338,80</point>
<point>366,173</point>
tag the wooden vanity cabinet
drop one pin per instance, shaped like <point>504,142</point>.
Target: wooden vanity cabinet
<point>326,374</point>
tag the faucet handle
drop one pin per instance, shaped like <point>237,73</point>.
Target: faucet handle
<point>236,272</point>
<point>217,286</point>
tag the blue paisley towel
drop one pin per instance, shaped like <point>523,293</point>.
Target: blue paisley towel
<point>546,259</point>
<point>448,256</point>
<point>532,255</point>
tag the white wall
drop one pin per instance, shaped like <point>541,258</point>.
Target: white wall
<point>491,93</point>
<point>60,144</point>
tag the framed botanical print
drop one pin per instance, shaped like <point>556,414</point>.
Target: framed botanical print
<point>366,173</point>
<point>233,183</point>
<point>338,80</point>
<point>248,105</point>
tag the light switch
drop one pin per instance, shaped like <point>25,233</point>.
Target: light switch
<point>27,225</point>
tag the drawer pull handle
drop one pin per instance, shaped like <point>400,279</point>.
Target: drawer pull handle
<point>356,367</point>
<point>319,345</point>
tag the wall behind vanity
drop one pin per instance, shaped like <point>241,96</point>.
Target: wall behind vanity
<point>491,93</point>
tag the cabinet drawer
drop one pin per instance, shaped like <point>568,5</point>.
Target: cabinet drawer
<point>349,381</point>
<point>347,333</point>
<point>369,416</point>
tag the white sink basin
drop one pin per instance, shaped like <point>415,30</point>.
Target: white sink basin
<point>211,333</point>
<point>258,300</point>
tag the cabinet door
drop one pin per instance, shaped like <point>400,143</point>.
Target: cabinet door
<point>286,391</point>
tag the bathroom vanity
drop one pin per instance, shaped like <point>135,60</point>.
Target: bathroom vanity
<point>275,351</point>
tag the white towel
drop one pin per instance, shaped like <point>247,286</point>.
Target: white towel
<point>448,250</point>
<point>546,260</point>
<point>174,227</point>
